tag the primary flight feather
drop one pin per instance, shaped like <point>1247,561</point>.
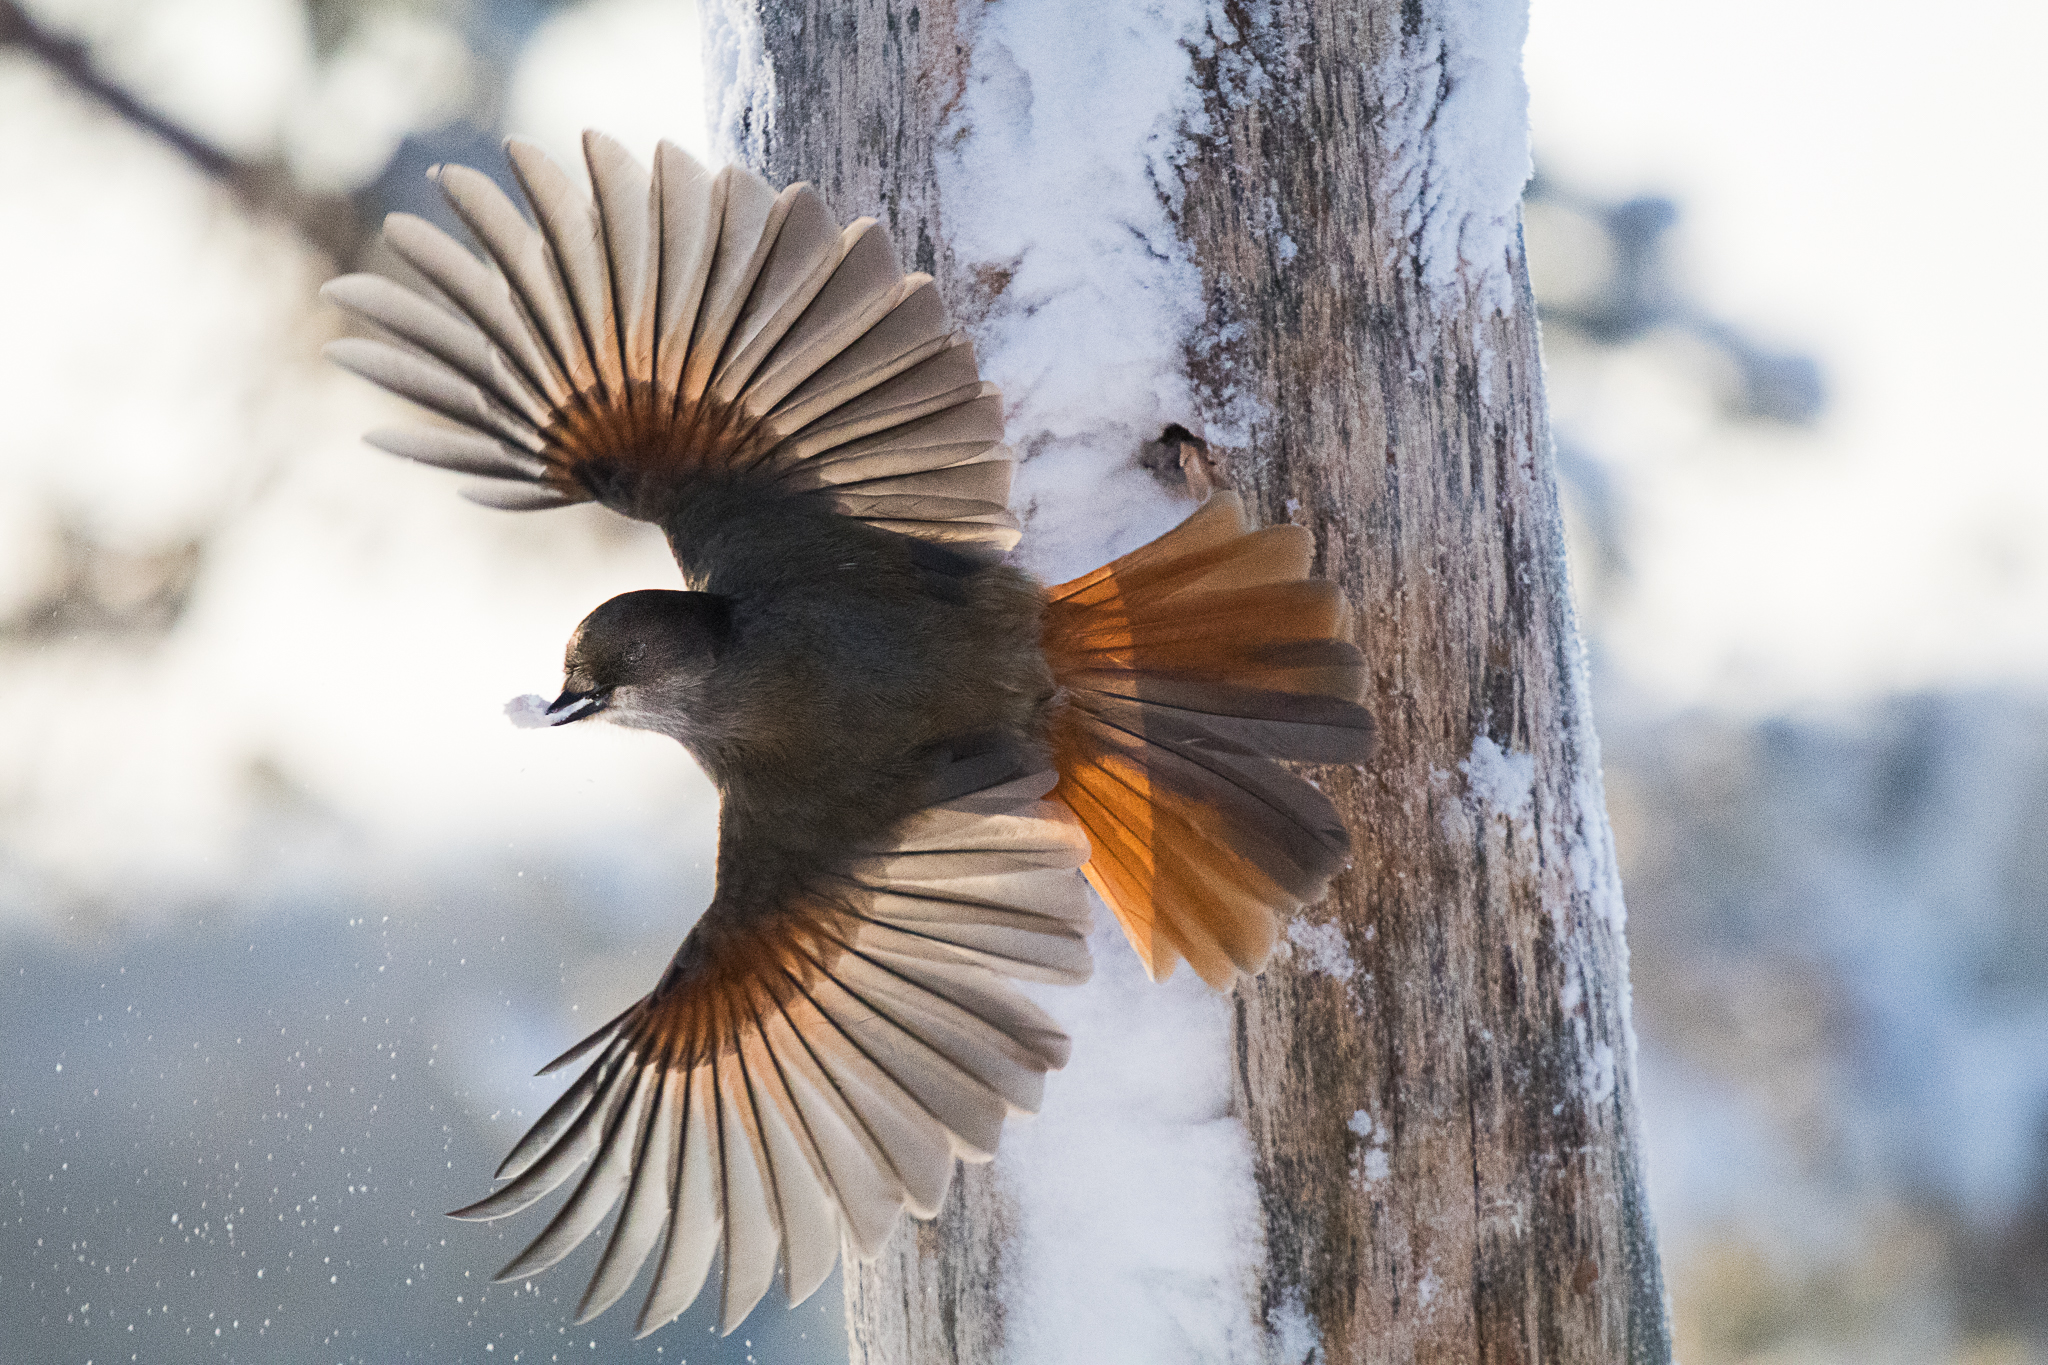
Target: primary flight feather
<point>916,746</point>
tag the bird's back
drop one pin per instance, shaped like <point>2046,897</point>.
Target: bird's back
<point>858,660</point>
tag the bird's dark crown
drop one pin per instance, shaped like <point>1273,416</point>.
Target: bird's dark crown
<point>641,645</point>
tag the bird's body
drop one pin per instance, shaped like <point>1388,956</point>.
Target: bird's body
<point>916,746</point>
<point>857,662</point>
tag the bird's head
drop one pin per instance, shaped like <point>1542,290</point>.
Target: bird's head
<point>638,660</point>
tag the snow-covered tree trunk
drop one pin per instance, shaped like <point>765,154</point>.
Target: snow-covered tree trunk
<point>1292,228</point>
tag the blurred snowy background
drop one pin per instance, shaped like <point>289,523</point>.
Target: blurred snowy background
<point>288,912</point>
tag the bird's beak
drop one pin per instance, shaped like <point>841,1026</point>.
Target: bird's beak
<point>571,706</point>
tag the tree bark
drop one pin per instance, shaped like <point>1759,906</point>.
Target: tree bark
<point>1437,1084</point>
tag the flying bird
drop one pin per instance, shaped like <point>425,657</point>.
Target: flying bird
<point>916,745</point>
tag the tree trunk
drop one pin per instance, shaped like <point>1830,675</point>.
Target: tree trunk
<point>1433,1091</point>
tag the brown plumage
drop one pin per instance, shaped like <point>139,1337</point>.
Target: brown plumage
<point>915,745</point>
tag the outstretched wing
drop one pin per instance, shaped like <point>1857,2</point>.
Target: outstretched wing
<point>813,1067</point>
<point>683,327</point>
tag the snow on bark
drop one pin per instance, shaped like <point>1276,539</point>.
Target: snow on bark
<point>1587,848</point>
<point>1500,780</point>
<point>1321,948</point>
<point>1456,113</point>
<point>1137,1217</point>
<point>1137,1220</point>
<point>1057,173</point>
<point>739,80</point>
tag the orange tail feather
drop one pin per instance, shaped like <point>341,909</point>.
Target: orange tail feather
<point>1188,667</point>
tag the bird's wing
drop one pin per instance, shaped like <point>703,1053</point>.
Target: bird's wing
<point>813,1067</point>
<point>684,326</point>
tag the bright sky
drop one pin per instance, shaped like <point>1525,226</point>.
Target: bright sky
<point>1861,183</point>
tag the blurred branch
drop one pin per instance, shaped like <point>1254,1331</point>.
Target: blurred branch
<point>329,223</point>
<point>106,592</point>
<point>1639,295</point>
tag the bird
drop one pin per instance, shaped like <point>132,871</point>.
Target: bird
<point>923,755</point>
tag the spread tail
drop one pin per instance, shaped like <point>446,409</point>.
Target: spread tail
<point>1188,667</point>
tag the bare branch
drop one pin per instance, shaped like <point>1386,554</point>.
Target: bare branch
<point>329,223</point>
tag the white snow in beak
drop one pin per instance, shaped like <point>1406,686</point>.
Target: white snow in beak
<point>528,712</point>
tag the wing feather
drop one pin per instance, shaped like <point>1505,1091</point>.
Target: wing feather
<point>522,254</point>
<point>631,217</point>
<point>646,1210</point>
<point>433,386</point>
<point>917,1149</point>
<point>454,342</point>
<point>567,1107</point>
<point>979,1050</point>
<point>809,1233</point>
<point>579,1137</point>
<point>863,286</point>
<point>862,1180</point>
<point>807,251</point>
<point>753,218</point>
<point>465,452</point>
<point>601,1186</point>
<point>519,497</point>
<point>574,233</point>
<point>695,1217</point>
<point>913,330</point>
<point>681,326</point>
<point>969,1113</point>
<point>810,1069</point>
<point>480,294</point>
<point>750,1241</point>
<point>937,437</point>
<point>691,203</point>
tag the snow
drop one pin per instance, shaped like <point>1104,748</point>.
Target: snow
<point>1133,1184</point>
<point>528,712</point>
<point>1323,949</point>
<point>1428,1288</point>
<point>1501,781</point>
<point>1457,121</point>
<point>1370,1165</point>
<point>1598,1080</point>
<point>1057,177</point>
<point>739,81</point>
<point>1296,1338</point>
<point>1596,872</point>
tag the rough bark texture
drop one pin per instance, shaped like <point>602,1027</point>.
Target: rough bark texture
<point>931,1295</point>
<point>1445,1140</point>
<point>1508,1224</point>
<point>863,88</point>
